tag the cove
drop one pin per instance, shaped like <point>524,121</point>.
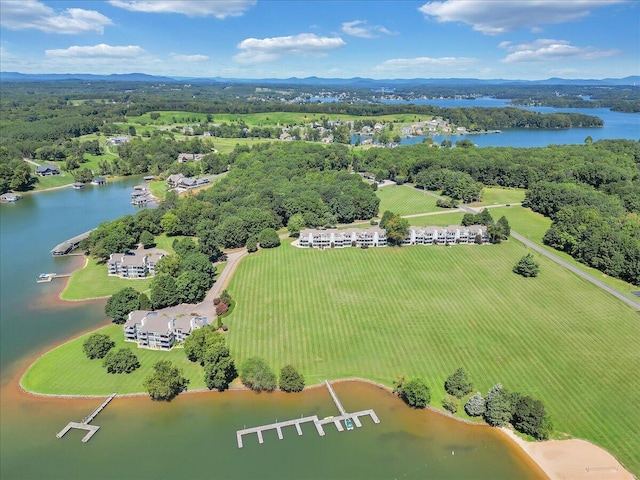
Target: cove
<point>194,435</point>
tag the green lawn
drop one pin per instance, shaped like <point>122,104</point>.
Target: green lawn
<point>498,195</point>
<point>159,188</point>
<point>52,181</point>
<point>424,311</point>
<point>93,282</point>
<point>404,200</point>
<point>67,371</point>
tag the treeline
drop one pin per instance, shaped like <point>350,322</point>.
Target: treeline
<point>268,187</point>
<point>591,191</point>
<point>591,226</point>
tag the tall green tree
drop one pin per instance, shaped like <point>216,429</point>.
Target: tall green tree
<point>527,266</point>
<point>458,384</point>
<point>257,375</point>
<point>166,381</point>
<point>415,393</point>
<point>164,291</point>
<point>121,303</point>
<point>97,345</point>
<point>121,361</point>
<point>290,379</point>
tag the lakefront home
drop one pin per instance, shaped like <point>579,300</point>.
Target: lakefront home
<point>377,237</point>
<point>350,237</point>
<point>156,330</point>
<point>135,264</point>
<point>46,170</point>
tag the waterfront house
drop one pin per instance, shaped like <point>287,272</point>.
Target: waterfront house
<point>135,264</point>
<point>156,330</point>
<point>174,180</point>
<point>46,170</point>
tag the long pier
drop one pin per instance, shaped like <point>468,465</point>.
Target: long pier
<point>84,424</point>
<point>319,424</point>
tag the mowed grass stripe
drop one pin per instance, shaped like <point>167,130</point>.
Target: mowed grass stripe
<point>424,311</point>
<point>405,200</point>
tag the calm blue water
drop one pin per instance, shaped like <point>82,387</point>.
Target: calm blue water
<point>616,125</point>
<point>30,316</point>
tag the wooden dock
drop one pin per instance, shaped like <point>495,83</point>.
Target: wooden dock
<point>68,245</point>
<point>319,424</point>
<point>84,424</point>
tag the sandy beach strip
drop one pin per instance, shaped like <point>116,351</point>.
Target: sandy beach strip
<point>572,459</point>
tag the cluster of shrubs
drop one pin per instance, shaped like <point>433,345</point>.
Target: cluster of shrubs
<point>501,406</point>
<point>222,303</point>
<point>498,408</point>
<point>101,346</point>
<point>258,376</point>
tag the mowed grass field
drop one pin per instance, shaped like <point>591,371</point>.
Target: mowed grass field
<point>93,281</point>
<point>498,195</point>
<point>67,371</point>
<point>425,311</point>
<point>404,200</point>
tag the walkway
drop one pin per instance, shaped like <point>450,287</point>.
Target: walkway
<point>84,424</point>
<point>319,424</point>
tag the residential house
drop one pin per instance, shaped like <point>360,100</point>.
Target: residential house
<point>174,180</point>
<point>189,157</point>
<point>122,139</point>
<point>335,238</point>
<point>46,170</point>
<point>135,264</point>
<point>155,330</point>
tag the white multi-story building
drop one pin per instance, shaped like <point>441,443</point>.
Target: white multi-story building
<point>351,237</point>
<point>134,264</point>
<point>451,235</point>
<point>159,331</point>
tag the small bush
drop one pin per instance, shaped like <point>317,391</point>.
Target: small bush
<point>450,403</point>
<point>475,406</point>
<point>221,308</point>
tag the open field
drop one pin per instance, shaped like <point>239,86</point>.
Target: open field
<point>403,200</point>
<point>424,311</point>
<point>52,181</point>
<point>93,282</point>
<point>498,195</point>
<point>264,119</point>
<point>67,371</point>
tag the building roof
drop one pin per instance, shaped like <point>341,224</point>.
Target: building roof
<point>136,317</point>
<point>46,168</point>
<point>156,324</point>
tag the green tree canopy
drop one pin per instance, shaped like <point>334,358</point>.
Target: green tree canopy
<point>257,375</point>
<point>166,381</point>
<point>97,345</point>
<point>121,361</point>
<point>415,393</point>
<point>164,292</point>
<point>121,303</point>
<point>147,239</point>
<point>268,238</point>
<point>527,266</point>
<point>458,383</point>
<point>290,379</point>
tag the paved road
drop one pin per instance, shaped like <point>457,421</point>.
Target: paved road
<point>28,160</point>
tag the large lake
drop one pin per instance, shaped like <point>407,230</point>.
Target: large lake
<point>194,436</point>
<point>616,125</point>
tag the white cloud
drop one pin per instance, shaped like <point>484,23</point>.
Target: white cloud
<point>493,17</point>
<point>189,58</point>
<point>424,65</point>
<point>268,49</point>
<point>360,28</point>
<point>31,14</point>
<point>191,8</point>
<point>101,51</point>
<point>545,49</point>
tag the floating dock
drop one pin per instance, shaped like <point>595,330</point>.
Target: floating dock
<point>319,424</point>
<point>84,424</point>
<point>47,277</point>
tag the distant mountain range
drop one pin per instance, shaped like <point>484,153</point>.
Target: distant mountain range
<point>356,82</point>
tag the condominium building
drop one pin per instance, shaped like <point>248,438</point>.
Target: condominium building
<point>350,237</point>
<point>155,330</point>
<point>135,264</point>
<point>451,235</point>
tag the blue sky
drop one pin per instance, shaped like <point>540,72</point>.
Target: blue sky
<point>513,39</point>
